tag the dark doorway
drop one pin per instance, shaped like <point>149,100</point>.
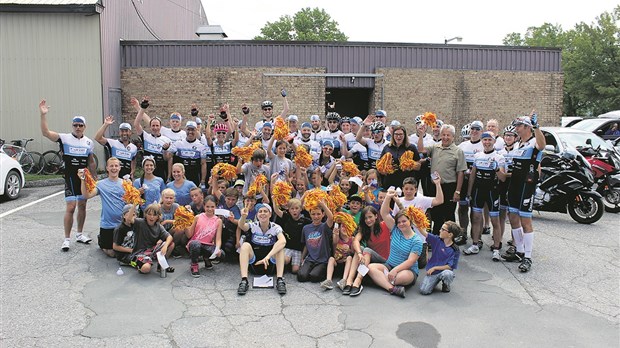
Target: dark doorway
<point>349,102</point>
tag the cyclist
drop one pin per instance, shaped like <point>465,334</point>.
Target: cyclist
<point>510,138</point>
<point>122,148</point>
<point>267,107</point>
<point>375,144</point>
<point>154,143</point>
<point>77,152</point>
<point>332,133</point>
<point>304,138</point>
<point>192,153</point>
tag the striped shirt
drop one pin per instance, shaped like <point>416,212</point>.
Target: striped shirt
<point>401,247</point>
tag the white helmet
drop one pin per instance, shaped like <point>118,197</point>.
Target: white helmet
<point>465,131</point>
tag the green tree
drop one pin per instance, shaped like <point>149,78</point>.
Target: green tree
<point>306,25</point>
<point>590,60</point>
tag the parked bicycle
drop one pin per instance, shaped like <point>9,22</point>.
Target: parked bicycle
<point>52,162</point>
<point>29,160</point>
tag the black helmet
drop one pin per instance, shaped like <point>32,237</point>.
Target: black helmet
<point>345,119</point>
<point>331,116</point>
<point>377,126</point>
<point>266,104</point>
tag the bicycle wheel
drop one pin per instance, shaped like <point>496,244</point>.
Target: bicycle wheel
<point>52,162</point>
<point>38,167</point>
<point>27,162</point>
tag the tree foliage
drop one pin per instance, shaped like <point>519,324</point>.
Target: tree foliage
<point>590,60</point>
<point>306,25</point>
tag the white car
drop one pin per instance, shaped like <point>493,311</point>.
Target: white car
<point>11,177</point>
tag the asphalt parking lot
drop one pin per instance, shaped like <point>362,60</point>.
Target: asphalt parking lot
<point>55,299</point>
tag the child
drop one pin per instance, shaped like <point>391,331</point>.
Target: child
<point>124,237</point>
<point>205,237</point>
<point>293,223</point>
<point>355,208</point>
<point>343,254</point>
<point>410,188</point>
<point>278,161</point>
<point>250,203</point>
<point>251,170</point>
<point>444,259</point>
<point>149,237</point>
<point>265,243</point>
<point>316,238</point>
<point>227,200</point>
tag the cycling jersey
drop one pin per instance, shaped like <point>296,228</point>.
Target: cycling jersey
<point>221,153</point>
<point>374,151</point>
<point>125,154</point>
<point>75,152</point>
<point>173,135</point>
<point>469,150</point>
<point>153,146</point>
<point>314,145</point>
<point>525,158</point>
<point>191,155</point>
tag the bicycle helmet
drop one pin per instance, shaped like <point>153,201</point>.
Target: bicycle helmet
<point>380,113</point>
<point>418,119</point>
<point>377,126</point>
<point>510,129</point>
<point>439,123</point>
<point>345,120</point>
<point>465,131</point>
<point>266,104</point>
<point>331,116</point>
<point>220,127</point>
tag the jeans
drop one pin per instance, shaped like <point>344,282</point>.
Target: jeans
<point>430,281</point>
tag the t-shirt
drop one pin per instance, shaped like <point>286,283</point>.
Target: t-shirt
<point>420,202</point>
<point>124,236</point>
<point>146,236</point>
<point>173,135</point>
<point>152,189</point>
<point>401,247</point>
<point>356,217</point>
<point>278,164</point>
<point>182,193</point>
<point>442,254</point>
<point>112,204</point>
<point>317,239</point>
<point>293,229</point>
<point>168,215</point>
<point>250,172</point>
<point>234,210</point>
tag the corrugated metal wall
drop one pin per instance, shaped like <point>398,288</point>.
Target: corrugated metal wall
<point>129,20</point>
<point>347,57</point>
<point>52,56</point>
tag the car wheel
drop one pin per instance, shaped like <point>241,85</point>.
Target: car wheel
<point>12,185</point>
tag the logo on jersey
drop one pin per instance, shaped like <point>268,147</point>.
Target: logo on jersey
<point>187,153</point>
<point>78,150</point>
<point>153,147</point>
<point>123,154</point>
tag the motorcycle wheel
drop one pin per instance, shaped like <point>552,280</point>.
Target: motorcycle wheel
<point>611,199</point>
<point>589,209</point>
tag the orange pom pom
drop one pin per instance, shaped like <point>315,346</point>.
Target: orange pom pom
<point>385,165</point>
<point>245,152</point>
<point>407,162</point>
<point>89,181</point>
<point>132,195</point>
<point>183,218</point>
<point>429,119</point>
<point>313,197</point>
<point>337,196</point>
<point>346,221</point>
<point>257,185</point>
<point>417,217</point>
<point>280,129</point>
<point>350,169</point>
<point>225,170</point>
<point>282,192</point>
<point>302,157</point>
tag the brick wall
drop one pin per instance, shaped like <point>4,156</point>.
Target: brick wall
<point>459,97</point>
<point>175,89</point>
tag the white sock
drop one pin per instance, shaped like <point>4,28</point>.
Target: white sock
<point>517,235</point>
<point>528,240</point>
<point>68,239</point>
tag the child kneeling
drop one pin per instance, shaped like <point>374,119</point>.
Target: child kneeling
<point>444,259</point>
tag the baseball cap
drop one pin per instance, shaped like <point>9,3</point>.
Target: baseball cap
<point>267,124</point>
<point>315,118</point>
<point>239,182</point>
<point>328,143</point>
<point>293,118</point>
<point>357,120</point>
<point>522,120</point>
<point>79,119</point>
<point>124,125</point>
<point>262,205</point>
<point>175,116</point>
<point>394,123</point>
<point>356,198</point>
<point>486,135</point>
<point>191,124</point>
<point>476,124</point>
<point>381,113</point>
<point>198,120</point>
<point>306,125</point>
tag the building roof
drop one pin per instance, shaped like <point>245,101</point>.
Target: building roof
<point>49,2</point>
<point>52,6</point>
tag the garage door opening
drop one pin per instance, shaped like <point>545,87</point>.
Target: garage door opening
<point>348,102</point>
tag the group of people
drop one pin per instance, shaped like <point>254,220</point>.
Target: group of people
<point>397,230</point>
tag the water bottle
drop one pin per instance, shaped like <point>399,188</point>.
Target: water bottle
<point>162,273</point>
<point>120,272</point>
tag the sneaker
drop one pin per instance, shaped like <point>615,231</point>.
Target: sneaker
<point>341,284</point>
<point>281,286</point>
<point>525,265</point>
<point>472,250</point>
<point>177,252</point>
<point>445,287</point>
<point>356,291</point>
<point>243,287</point>
<point>486,230</point>
<point>492,247</point>
<point>496,257</point>
<point>479,244</point>
<point>512,257</point>
<point>208,263</point>
<point>347,290</point>
<point>215,261</point>
<point>460,240</point>
<point>82,238</point>
<point>327,284</point>
<point>193,268</point>
<point>398,291</point>
<point>65,245</point>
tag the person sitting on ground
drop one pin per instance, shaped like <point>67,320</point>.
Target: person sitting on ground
<point>264,247</point>
<point>342,255</point>
<point>149,238</point>
<point>197,205</point>
<point>317,239</point>
<point>401,267</point>
<point>124,239</point>
<point>205,237</point>
<point>227,200</point>
<point>293,223</point>
<point>444,259</point>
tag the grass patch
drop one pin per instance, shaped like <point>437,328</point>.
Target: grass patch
<point>33,177</point>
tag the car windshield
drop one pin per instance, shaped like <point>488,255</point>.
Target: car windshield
<point>589,125</point>
<point>573,140</point>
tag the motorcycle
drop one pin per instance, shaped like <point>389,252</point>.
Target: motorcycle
<point>566,185</point>
<point>606,167</point>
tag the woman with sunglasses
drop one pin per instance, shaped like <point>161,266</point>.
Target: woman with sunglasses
<point>220,147</point>
<point>376,143</point>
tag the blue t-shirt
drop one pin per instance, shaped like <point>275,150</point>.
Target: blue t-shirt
<point>401,247</point>
<point>317,239</point>
<point>112,204</point>
<point>182,193</point>
<point>152,190</point>
<point>442,254</point>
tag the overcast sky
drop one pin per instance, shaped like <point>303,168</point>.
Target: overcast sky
<point>478,22</point>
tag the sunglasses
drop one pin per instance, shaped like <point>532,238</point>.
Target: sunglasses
<point>327,148</point>
<point>78,125</point>
<point>220,132</point>
<point>476,128</point>
<point>267,109</point>
<point>333,122</point>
